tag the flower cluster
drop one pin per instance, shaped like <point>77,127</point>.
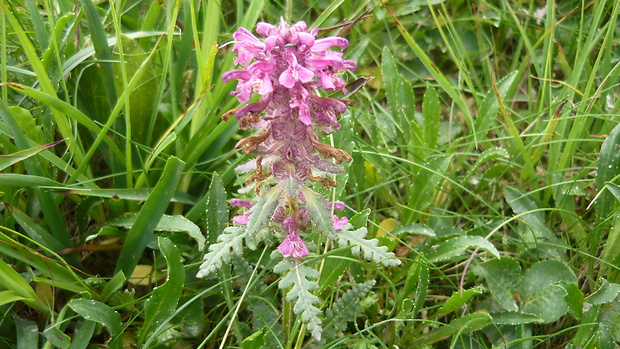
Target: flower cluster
<point>286,69</point>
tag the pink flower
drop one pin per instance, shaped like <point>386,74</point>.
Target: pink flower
<point>293,246</point>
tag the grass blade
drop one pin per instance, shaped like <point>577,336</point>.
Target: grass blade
<point>149,216</point>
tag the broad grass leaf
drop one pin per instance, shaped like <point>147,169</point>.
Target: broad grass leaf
<point>255,341</point>
<point>83,334</point>
<point>456,247</point>
<point>217,209</point>
<point>176,223</point>
<point>503,276</point>
<point>12,281</point>
<point>101,313</point>
<point>608,168</point>
<point>514,318</point>
<point>27,333</point>
<point>28,124</point>
<point>149,216</point>
<point>163,300</point>
<point>334,267</point>
<point>462,325</point>
<point>458,299</point>
<point>431,113</point>
<point>611,249</point>
<point>540,293</point>
<point>487,114</point>
<point>424,186</point>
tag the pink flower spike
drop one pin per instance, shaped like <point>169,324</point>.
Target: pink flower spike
<point>325,43</point>
<point>336,205</point>
<point>339,222</point>
<point>242,219</point>
<point>293,246</point>
<point>240,203</point>
<point>294,73</point>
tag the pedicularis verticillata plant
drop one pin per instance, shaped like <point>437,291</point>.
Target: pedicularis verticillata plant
<point>287,69</point>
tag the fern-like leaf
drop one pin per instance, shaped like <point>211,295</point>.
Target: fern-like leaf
<point>230,242</point>
<point>347,307</point>
<point>371,249</point>
<point>263,208</point>
<point>319,215</point>
<point>302,279</point>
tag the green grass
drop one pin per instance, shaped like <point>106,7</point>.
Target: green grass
<point>489,128</point>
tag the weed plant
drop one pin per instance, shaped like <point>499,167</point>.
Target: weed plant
<point>485,146</point>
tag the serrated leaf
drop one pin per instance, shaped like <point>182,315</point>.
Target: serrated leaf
<point>370,248</point>
<point>503,276</point>
<point>263,208</point>
<point>347,307</point>
<point>301,279</point>
<point>458,299</point>
<point>456,247</point>
<point>229,242</point>
<point>319,215</point>
<point>101,313</point>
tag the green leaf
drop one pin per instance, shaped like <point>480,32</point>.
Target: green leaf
<point>316,206</point>
<point>462,325</point>
<point>83,334</point>
<point>334,267</point>
<point>117,281</point>
<point>608,168</point>
<point>424,186</point>
<point>127,194</point>
<point>503,276</point>
<point>605,294</point>
<point>431,112</point>
<point>456,247</point>
<point>301,280</point>
<point>163,300</point>
<point>101,313</point>
<point>28,124</point>
<point>35,231</point>
<point>611,250</point>
<point>12,281</point>
<point>487,114</point>
<point>263,208</point>
<point>176,223</point>
<point>27,333</point>
<point>230,242</point>
<point>16,180</point>
<point>371,249</point>
<point>217,209</point>
<point>149,216</point>
<point>515,318</point>
<point>413,229</point>
<point>540,292</point>
<point>458,299</point>
<point>255,341</point>
<point>9,296</point>
<point>346,308</point>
